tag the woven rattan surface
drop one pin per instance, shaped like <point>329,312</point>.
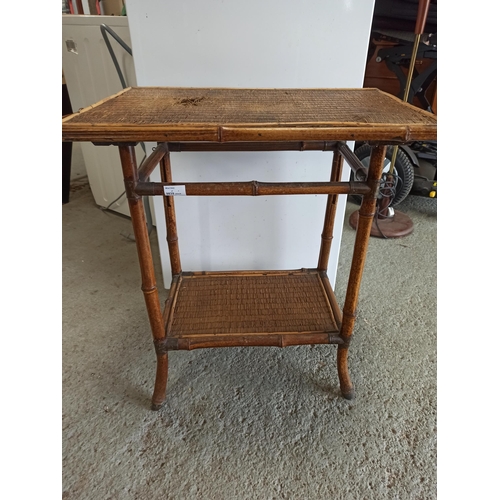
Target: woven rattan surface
<point>192,114</point>
<point>251,304</point>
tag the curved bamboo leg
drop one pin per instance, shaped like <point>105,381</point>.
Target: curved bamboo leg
<point>160,390</point>
<point>346,386</point>
<point>366,214</point>
<point>326,242</point>
<point>150,291</point>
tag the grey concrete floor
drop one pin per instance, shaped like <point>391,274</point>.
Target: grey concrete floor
<point>247,423</point>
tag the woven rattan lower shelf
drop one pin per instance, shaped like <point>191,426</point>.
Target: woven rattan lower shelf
<point>253,308</point>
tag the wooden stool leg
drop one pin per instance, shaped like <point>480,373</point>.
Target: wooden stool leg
<point>366,214</point>
<point>151,297</point>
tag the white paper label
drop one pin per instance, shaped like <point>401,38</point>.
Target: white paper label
<point>174,190</point>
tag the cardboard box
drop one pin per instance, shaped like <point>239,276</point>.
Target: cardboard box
<point>112,7</point>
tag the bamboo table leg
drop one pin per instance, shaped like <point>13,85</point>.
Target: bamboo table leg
<point>130,175</point>
<point>366,214</point>
<point>158,322</point>
<point>172,240</point>
<point>331,209</point>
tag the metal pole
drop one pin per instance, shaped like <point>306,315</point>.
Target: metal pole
<point>406,92</point>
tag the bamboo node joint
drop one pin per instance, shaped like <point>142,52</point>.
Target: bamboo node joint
<point>346,340</point>
<point>130,186</point>
<point>335,339</point>
<point>162,346</point>
<point>347,315</point>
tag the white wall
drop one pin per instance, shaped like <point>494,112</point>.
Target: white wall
<point>241,43</point>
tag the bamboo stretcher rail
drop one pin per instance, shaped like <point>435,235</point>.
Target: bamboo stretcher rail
<point>252,146</point>
<point>337,313</point>
<point>152,161</point>
<point>253,188</point>
<point>167,309</point>
<point>263,340</point>
<point>250,272</point>
<point>360,171</point>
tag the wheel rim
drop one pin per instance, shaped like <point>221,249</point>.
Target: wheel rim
<point>387,164</point>
<point>385,170</point>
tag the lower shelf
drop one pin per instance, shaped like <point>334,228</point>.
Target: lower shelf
<point>251,308</point>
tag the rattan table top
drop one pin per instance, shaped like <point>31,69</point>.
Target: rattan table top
<point>239,115</point>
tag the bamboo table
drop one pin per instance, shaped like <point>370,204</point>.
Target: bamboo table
<point>250,308</point>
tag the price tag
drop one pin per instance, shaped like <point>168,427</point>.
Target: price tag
<point>174,190</point>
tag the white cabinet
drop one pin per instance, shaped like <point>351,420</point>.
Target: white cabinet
<point>91,76</point>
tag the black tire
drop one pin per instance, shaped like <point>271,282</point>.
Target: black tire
<point>403,168</point>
